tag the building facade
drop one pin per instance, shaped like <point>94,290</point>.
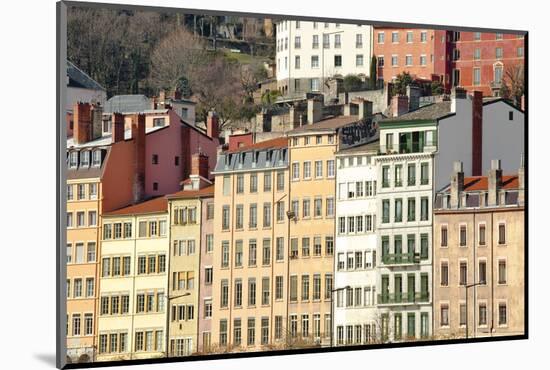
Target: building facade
<point>250,257</point>
<point>310,53</point>
<point>190,268</point>
<point>355,269</point>
<point>479,248</point>
<point>132,318</point>
<point>420,52</point>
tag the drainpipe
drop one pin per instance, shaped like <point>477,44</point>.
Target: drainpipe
<point>131,334</point>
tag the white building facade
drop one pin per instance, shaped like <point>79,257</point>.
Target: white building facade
<point>309,53</point>
<point>355,313</point>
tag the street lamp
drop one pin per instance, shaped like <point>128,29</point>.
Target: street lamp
<point>332,311</point>
<point>168,299</point>
<point>467,286</point>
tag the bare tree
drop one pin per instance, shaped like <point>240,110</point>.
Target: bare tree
<point>175,59</point>
<point>513,83</point>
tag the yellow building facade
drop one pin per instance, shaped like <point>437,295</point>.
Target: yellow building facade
<point>250,248</point>
<point>132,317</point>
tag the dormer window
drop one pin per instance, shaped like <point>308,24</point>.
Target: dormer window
<point>158,122</point>
<point>96,158</point>
<point>269,154</point>
<point>254,157</point>
<point>85,158</point>
<point>73,159</point>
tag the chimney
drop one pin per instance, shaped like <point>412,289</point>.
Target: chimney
<point>118,127</point>
<point>212,124</point>
<point>477,132</point>
<point>138,140</point>
<point>494,182</point>
<point>457,94</point>
<point>521,182</point>
<point>457,184</point>
<point>400,105</point>
<point>82,123</point>
<point>97,121</point>
<point>199,165</point>
<point>365,109</point>
<point>162,97</point>
<point>314,110</point>
<point>414,93</point>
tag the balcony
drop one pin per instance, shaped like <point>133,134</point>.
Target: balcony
<point>401,259</point>
<point>403,298</point>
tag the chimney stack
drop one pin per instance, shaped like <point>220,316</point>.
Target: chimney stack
<point>494,182</point>
<point>414,93</point>
<point>314,110</point>
<point>82,123</point>
<point>212,125</point>
<point>457,96</point>
<point>138,139</point>
<point>118,127</point>
<point>399,105</point>
<point>521,181</point>
<point>365,109</point>
<point>162,97</point>
<point>199,165</point>
<point>477,132</point>
<point>177,94</point>
<point>457,184</point>
<point>97,121</point>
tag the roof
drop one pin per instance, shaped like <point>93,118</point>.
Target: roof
<point>79,78</point>
<point>155,205</point>
<point>431,112</point>
<point>329,124</point>
<point>480,183</point>
<point>106,140</point>
<point>279,142</point>
<point>368,147</point>
<point>188,194</point>
<point>128,103</point>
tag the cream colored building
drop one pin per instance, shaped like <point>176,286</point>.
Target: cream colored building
<point>250,258</point>
<point>132,315</point>
<point>190,241</point>
<point>312,155</point>
<point>479,249</point>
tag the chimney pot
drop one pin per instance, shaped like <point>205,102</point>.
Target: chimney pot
<point>314,110</point>
<point>494,183</point>
<point>212,129</point>
<point>457,184</point>
<point>82,123</point>
<point>118,127</point>
<point>199,165</point>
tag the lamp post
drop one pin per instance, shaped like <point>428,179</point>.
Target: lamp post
<point>168,311</point>
<point>323,54</point>
<point>466,287</point>
<point>332,311</point>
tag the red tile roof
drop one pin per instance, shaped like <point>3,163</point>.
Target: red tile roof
<point>480,183</point>
<point>188,194</point>
<point>155,205</point>
<point>280,142</point>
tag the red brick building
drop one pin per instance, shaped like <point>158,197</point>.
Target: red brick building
<point>480,60</point>
<point>472,60</point>
<point>421,52</point>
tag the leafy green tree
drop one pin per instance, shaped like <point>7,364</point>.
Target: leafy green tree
<point>401,82</point>
<point>373,78</point>
<point>352,83</point>
<point>436,87</point>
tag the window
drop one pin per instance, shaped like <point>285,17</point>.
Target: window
<point>251,291</point>
<point>463,273</point>
<point>318,169</point>
<point>267,215</point>
<point>424,209</point>
<point>337,41</point>
<point>265,291</point>
<point>297,42</point>
<point>385,176</point>
<point>266,252</point>
<point>380,37</point>
<point>253,216</point>
<point>462,232</point>
<point>424,175</point>
<point>239,214</point>
<point>280,181</point>
<point>394,60</point>
<point>238,293</point>
<point>224,301</point>
<point>307,170</point>
<point>411,209</point>
<point>338,61</point>
<point>280,248</point>
<point>225,254</point>
<point>385,211</point>
<point>330,167</point>
<point>315,42</point>
<point>252,248</point>
<point>238,253</point>
<point>223,332</point>
<point>423,36</point>
<point>477,53</point>
<point>443,236</point>
<point>96,158</point>
<point>408,60</point>
<point>267,181</point>
<point>394,37</point>
<point>444,274</point>
<point>423,246</point>
<point>225,218</point>
<point>444,315</point>
<point>498,53</point>
<point>477,76</point>
<point>502,271</point>
<point>90,287</point>
<point>462,314</point>
<point>502,314</point>
<point>209,243</point>
<point>251,335</point>
<point>483,314</point>
<point>398,209</point>
<point>208,275</point>
<point>240,184</point>
<point>501,234</point>
<point>519,52</point>
<point>295,171</point>
<point>358,40</point>
<point>314,61</point>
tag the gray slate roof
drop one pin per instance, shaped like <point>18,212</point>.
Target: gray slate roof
<point>78,78</point>
<point>127,104</point>
<point>243,161</point>
<point>433,112</point>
